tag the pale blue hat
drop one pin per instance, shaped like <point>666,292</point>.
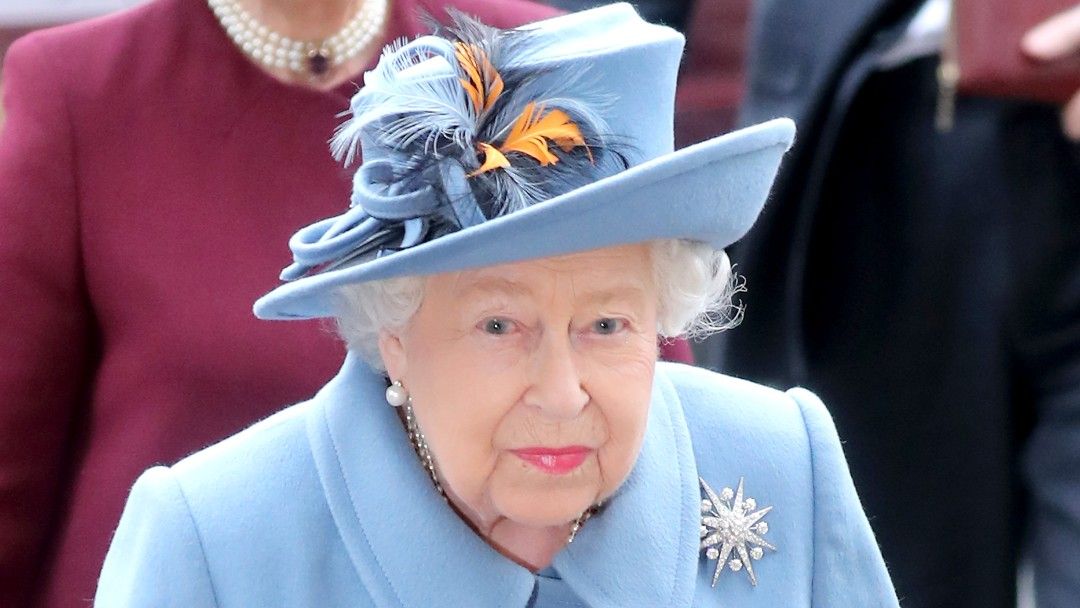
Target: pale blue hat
<point>483,147</point>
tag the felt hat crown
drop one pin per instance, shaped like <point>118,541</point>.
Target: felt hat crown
<point>483,147</point>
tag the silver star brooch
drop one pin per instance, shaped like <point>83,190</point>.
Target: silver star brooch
<point>735,524</point>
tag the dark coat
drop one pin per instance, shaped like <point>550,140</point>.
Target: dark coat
<point>926,285</point>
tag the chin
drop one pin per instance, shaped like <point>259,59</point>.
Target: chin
<point>543,505</point>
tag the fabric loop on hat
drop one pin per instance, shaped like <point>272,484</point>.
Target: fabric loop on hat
<point>331,239</point>
<point>386,215</point>
<point>332,251</point>
<point>415,231</point>
<point>377,190</point>
<point>341,224</point>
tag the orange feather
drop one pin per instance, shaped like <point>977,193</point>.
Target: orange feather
<point>533,129</point>
<point>493,159</point>
<point>484,85</point>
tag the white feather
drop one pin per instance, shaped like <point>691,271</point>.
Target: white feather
<point>413,94</point>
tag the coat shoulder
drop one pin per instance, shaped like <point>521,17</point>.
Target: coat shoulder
<point>787,430</point>
<point>784,446</point>
<point>265,472</point>
<point>143,62</point>
<point>277,438</point>
<point>256,500</point>
<point>717,406</point>
<point>231,517</point>
<point>76,46</point>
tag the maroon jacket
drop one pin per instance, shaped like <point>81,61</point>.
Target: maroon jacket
<point>150,177</point>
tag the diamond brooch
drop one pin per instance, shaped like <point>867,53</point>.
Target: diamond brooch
<point>732,530</point>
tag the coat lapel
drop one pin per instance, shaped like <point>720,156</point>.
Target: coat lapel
<point>407,546</point>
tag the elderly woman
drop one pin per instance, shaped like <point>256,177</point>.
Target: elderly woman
<point>501,433</point>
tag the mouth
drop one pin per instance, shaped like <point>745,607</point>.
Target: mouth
<point>554,461</point>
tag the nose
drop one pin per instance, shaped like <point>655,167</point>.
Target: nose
<point>556,387</point>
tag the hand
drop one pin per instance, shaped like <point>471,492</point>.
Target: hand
<point>1057,38</point>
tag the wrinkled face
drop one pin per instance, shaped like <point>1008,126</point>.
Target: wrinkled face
<point>531,381</point>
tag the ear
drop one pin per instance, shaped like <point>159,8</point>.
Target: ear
<point>392,350</point>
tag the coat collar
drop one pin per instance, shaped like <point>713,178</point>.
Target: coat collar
<point>411,550</point>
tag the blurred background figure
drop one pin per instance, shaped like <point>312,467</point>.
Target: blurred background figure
<point>123,137</point>
<point>927,284</point>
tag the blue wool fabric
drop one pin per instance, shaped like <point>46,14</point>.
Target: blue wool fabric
<point>325,504</point>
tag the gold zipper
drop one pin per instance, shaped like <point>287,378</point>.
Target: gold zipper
<point>948,76</point>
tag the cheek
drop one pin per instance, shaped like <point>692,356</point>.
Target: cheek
<point>623,400</point>
<point>460,402</point>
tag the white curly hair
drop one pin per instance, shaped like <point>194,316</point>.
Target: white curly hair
<point>695,289</point>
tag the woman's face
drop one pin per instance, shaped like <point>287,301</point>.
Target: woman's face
<point>531,381</point>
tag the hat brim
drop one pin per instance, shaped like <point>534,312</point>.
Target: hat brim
<point>710,192</point>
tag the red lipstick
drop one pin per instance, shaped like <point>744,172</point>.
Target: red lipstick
<point>554,461</point>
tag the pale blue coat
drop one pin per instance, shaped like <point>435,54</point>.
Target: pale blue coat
<point>325,505</point>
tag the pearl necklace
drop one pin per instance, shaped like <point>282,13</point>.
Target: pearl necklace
<point>315,58</point>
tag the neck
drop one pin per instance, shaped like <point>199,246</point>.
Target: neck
<point>529,546</point>
<point>303,19</point>
<point>533,548</point>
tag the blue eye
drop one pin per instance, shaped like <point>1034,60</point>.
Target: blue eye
<point>497,326</point>
<point>608,326</point>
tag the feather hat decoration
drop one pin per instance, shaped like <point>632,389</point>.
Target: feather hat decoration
<point>480,134</point>
<point>483,146</point>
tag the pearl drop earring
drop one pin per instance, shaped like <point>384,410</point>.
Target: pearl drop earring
<point>396,395</point>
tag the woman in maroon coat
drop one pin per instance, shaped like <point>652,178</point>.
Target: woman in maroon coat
<point>126,137</point>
